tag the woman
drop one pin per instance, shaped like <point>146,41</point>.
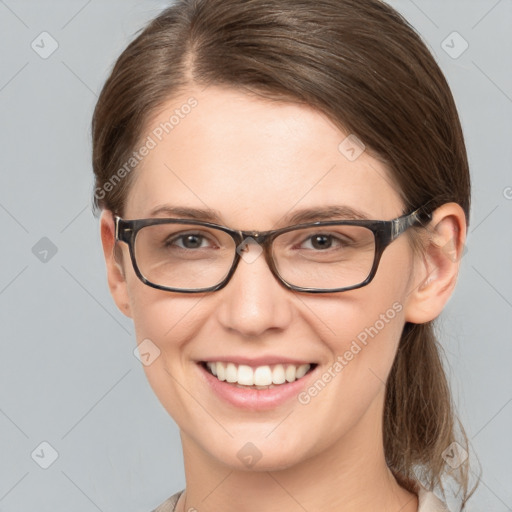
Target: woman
<point>285,198</point>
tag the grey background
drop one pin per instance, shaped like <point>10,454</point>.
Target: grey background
<point>67,369</point>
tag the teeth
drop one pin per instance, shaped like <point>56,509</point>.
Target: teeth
<point>278,374</point>
<point>231,372</point>
<point>261,376</point>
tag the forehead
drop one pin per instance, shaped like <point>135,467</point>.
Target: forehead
<point>253,161</point>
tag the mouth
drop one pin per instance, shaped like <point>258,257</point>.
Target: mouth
<point>259,377</point>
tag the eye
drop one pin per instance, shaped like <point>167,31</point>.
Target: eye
<point>323,241</point>
<point>187,241</point>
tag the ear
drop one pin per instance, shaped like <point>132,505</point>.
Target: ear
<point>114,263</point>
<point>436,270</point>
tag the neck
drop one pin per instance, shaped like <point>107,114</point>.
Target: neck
<point>350,476</point>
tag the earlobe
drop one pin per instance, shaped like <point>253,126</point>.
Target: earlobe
<point>116,274</point>
<point>436,269</point>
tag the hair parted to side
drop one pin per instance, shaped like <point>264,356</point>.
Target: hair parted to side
<point>360,63</point>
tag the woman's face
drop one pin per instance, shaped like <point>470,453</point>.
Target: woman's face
<point>255,163</point>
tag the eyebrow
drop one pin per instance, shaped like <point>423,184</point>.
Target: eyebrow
<point>296,217</point>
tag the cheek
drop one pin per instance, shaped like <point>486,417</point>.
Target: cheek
<point>169,320</point>
<point>369,349</point>
<point>164,324</point>
<point>377,318</point>
<point>158,315</point>
<point>362,348</point>
<point>361,330</point>
<point>372,312</point>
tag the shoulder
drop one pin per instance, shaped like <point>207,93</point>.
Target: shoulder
<point>169,504</point>
<point>429,502</point>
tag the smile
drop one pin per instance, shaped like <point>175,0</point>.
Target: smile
<point>260,377</point>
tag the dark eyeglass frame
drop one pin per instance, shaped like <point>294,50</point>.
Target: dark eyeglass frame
<point>385,232</point>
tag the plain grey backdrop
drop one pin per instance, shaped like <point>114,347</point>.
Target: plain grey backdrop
<point>80,428</point>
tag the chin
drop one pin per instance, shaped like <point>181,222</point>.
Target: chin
<point>258,454</point>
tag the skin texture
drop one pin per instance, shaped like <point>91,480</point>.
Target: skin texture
<point>255,161</point>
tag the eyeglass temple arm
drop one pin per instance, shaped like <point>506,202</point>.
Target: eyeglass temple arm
<point>116,226</point>
<point>120,232</point>
<point>418,216</point>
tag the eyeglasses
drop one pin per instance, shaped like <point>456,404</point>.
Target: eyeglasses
<point>189,256</point>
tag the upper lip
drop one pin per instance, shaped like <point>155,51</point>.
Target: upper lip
<point>256,361</point>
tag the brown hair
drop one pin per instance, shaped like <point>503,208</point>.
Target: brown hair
<point>360,63</point>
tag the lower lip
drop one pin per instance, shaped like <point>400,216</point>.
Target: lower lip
<point>256,399</point>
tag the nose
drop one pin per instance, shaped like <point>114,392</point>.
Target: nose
<point>253,301</point>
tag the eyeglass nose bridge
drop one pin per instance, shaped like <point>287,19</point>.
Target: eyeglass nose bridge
<point>262,239</point>
<point>259,236</point>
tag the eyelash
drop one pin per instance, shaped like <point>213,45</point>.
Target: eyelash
<point>170,242</point>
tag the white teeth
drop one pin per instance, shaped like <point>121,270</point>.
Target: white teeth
<point>290,373</point>
<point>261,376</point>
<point>245,375</point>
<point>231,372</point>
<point>301,371</point>
<point>221,372</point>
<point>278,375</point>
<point>212,367</point>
